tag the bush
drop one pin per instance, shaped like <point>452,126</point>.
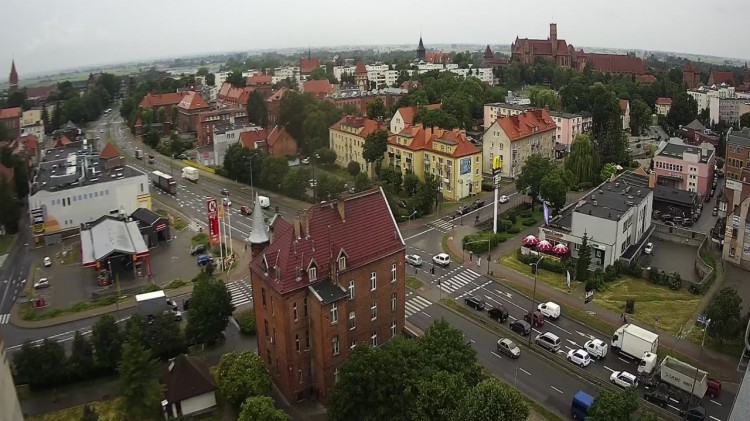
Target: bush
<point>675,281</point>
<point>630,306</point>
<point>525,214</point>
<point>80,306</point>
<point>634,270</point>
<point>353,168</point>
<point>151,288</point>
<point>175,284</point>
<point>514,230</point>
<point>488,185</point>
<point>504,224</point>
<point>477,243</point>
<point>511,217</point>
<point>527,222</point>
<point>585,185</point>
<point>550,264</point>
<point>201,238</point>
<point>246,320</point>
<point>105,301</point>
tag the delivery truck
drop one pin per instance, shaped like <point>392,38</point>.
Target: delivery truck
<point>633,341</point>
<point>151,303</point>
<point>163,182</point>
<point>679,379</point>
<point>138,154</point>
<point>191,174</point>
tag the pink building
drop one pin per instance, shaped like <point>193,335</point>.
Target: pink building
<point>686,167</point>
<point>569,126</point>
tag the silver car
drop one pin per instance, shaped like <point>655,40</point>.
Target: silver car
<point>414,259</point>
<point>508,347</point>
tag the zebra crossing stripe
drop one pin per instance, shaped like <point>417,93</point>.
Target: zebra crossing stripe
<point>4,318</point>
<point>415,305</point>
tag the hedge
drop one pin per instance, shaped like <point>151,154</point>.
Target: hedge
<point>477,243</point>
<point>550,265</point>
<point>246,320</point>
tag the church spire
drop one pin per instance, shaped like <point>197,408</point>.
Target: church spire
<point>421,52</point>
<point>259,235</point>
<point>13,78</point>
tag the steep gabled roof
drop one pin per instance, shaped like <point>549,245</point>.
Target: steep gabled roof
<point>718,77</point>
<point>276,134</point>
<point>110,151</point>
<point>249,137</point>
<point>367,125</point>
<point>186,377</point>
<point>616,63</point>
<point>192,101</point>
<point>159,100</point>
<point>235,94</point>
<point>663,101</point>
<point>408,113</point>
<point>318,87</point>
<point>277,95</point>
<point>258,79</point>
<point>7,113</point>
<point>526,124</point>
<point>696,125</point>
<point>307,65</point>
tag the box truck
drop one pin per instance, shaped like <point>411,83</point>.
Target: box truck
<point>633,341</point>
<point>265,202</point>
<point>138,154</point>
<point>191,174</point>
<point>679,378</point>
<point>164,182</point>
<point>151,303</point>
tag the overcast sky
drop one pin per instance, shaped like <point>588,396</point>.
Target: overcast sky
<point>47,35</point>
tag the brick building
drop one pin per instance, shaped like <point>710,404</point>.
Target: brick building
<point>157,101</point>
<point>691,77</point>
<point>272,106</point>
<point>232,96</point>
<point>10,118</point>
<point>359,99</point>
<point>323,284</point>
<point>275,142</point>
<point>191,105</point>
<point>206,121</point>
<point>260,83</point>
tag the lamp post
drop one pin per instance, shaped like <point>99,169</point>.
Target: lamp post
<point>533,295</point>
<point>700,356</point>
<point>409,216</point>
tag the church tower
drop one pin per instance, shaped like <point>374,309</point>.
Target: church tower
<point>360,77</point>
<point>421,52</point>
<point>13,79</point>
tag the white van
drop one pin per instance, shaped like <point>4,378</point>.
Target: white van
<point>265,202</point>
<point>550,310</point>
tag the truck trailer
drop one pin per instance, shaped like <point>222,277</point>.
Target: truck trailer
<point>679,378</point>
<point>164,182</point>
<point>191,174</point>
<point>151,303</point>
<point>633,341</point>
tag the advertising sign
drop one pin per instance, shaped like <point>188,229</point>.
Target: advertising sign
<point>212,209</point>
<point>465,164</point>
<point>37,220</point>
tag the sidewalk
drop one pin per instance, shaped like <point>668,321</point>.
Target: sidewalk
<point>721,365</point>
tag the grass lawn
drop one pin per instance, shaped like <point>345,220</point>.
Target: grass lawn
<point>557,280</point>
<point>5,243</point>
<point>454,258</point>
<point>413,283</point>
<point>731,348</point>
<point>73,256</point>
<point>653,302</point>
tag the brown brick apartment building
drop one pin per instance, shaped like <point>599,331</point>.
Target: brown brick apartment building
<point>329,281</point>
<point>208,119</point>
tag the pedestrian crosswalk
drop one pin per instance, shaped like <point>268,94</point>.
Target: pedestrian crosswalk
<point>415,304</point>
<point>441,225</point>
<point>242,292</point>
<point>4,319</point>
<point>458,280</point>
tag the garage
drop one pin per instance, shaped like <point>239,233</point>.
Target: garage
<point>153,227</point>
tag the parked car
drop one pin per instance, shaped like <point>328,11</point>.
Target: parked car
<point>41,284</point>
<point>715,212</point>
<point>475,302</point>
<point>442,259</point>
<point>697,413</point>
<point>677,220</point>
<point>226,201</point>
<point>623,379</point>
<point>503,199</point>
<point>414,259</point>
<point>666,217</point>
<point>579,357</point>
<point>649,248</point>
<point>656,214</point>
<point>305,161</point>
<point>550,309</point>
<point>498,313</point>
<point>657,398</point>
<point>536,319</point>
<point>508,347</point>
<point>197,249</point>
<point>225,192</point>
<point>177,314</point>
<point>687,223</point>
<point>521,327</point>
<point>478,203</point>
<point>47,262</point>
<point>246,210</point>
<point>463,210</point>
<point>182,156</point>
<point>548,341</point>
<point>172,304</point>
<point>204,260</point>
<point>670,224</point>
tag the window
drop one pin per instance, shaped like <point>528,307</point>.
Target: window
<point>393,272</point>
<point>273,310</point>
<point>263,296</point>
<point>342,263</point>
<point>305,301</point>
<point>335,342</point>
<point>312,273</point>
<point>294,310</point>
<point>393,329</point>
<point>307,340</point>
<point>265,328</point>
<point>393,302</point>
<point>373,281</point>
<point>351,289</point>
<point>352,320</point>
<point>334,314</point>
<point>374,310</point>
<point>296,342</point>
<point>299,376</point>
<point>374,338</point>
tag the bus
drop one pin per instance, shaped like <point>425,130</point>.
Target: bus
<point>582,401</point>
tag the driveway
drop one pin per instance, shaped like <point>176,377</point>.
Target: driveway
<point>671,257</point>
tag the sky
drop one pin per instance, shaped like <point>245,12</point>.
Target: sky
<point>48,35</point>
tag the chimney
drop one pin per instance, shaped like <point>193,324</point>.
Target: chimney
<point>340,207</point>
<point>297,228</point>
<point>305,225</point>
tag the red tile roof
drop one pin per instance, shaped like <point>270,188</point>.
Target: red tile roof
<point>663,101</point>
<point>249,137</point>
<point>40,92</point>
<point>624,105</point>
<point>319,88</point>
<point>231,93</point>
<point>717,78</point>
<point>275,135</point>
<point>526,124</point>
<point>307,65</point>
<point>646,79</point>
<point>360,67</point>
<point>258,79</point>
<point>192,101</point>
<point>360,226</point>
<point>616,63</point>
<point>109,151</point>
<point>277,95</point>
<point>424,139</point>
<point>8,113</point>
<point>160,100</point>
<point>367,125</point>
<point>408,113</point>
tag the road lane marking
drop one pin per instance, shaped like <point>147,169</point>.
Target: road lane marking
<point>573,343</point>
<point>524,371</point>
<point>556,390</point>
<point>429,316</point>
<point>713,418</point>
<point>498,356</point>
<point>714,402</point>
<point>560,328</point>
<point>625,361</point>
<point>417,235</point>
<point>609,368</point>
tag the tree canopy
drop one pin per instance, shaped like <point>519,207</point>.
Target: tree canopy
<point>725,312</point>
<point>260,408</point>
<point>535,168</point>
<point>376,145</point>
<point>256,109</point>
<point>210,309</point>
<point>242,376</point>
<point>139,381</point>
<point>611,405</point>
<point>684,110</point>
<point>583,161</point>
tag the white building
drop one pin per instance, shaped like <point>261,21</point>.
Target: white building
<point>702,95</point>
<point>74,185</point>
<point>726,109</point>
<point>224,137</point>
<point>220,78</point>
<point>287,72</point>
<point>32,123</point>
<point>615,217</point>
<point>495,110</point>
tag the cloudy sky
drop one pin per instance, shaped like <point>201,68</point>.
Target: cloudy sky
<point>47,35</point>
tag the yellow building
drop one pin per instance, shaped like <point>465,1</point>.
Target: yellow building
<point>347,138</point>
<point>446,154</point>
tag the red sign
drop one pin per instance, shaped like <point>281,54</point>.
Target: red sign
<point>213,221</point>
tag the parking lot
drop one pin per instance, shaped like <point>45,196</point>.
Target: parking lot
<point>672,257</point>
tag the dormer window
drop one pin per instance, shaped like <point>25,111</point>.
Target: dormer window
<point>312,273</point>
<point>342,263</point>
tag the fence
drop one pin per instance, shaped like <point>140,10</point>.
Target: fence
<point>692,238</point>
<point>199,166</point>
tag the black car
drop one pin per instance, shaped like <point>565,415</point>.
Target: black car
<point>498,313</point>
<point>463,210</point>
<point>477,303</point>
<point>478,203</point>
<point>197,249</point>
<point>666,217</point>
<point>521,327</point>
<point>687,223</point>
<point>657,398</point>
<point>225,192</point>
<point>697,413</point>
<point>656,214</point>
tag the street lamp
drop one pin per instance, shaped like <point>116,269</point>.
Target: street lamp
<point>700,356</point>
<point>533,295</point>
<point>409,216</point>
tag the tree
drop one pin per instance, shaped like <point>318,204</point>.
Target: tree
<point>362,182</point>
<point>612,405</point>
<point>493,400</point>
<point>328,187</point>
<point>139,381</point>
<point>107,341</point>
<point>640,116</point>
<point>437,396</point>
<point>261,408</point>
<point>376,145</point>
<point>41,366</point>
<point>152,137</point>
<point>534,169</point>
<point>241,376</point>
<point>608,171</point>
<point>210,309</point>
<point>436,118</point>
<point>325,156</point>
<point>81,361</point>
<point>10,207</point>
<point>725,312</point>
<point>274,169</point>
<point>210,79</point>
<point>376,109</point>
<point>164,337</point>
<point>295,182</point>
<point>553,188</point>
<point>411,183</point>
<point>236,78</point>
<point>583,161</point>
<point>444,349</point>
<point>203,71</point>
<point>584,259</point>
<point>292,112</point>
<point>353,168</point>
<point>745,120</point>
<point>684,110</point>
<point>257,113</point>
<point>544,98</point>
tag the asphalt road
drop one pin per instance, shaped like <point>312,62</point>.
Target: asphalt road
<point>14,271</point>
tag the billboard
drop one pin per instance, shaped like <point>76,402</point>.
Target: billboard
<point>465,165</point>
<point>212,209</point>
<point>37,221</point>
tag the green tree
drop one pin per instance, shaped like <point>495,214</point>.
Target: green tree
<point>376,144</point>
<point>236,78</point>
<point>553,188</point>
<point>16,99</point>
<point>210,309</point>
<point>41,366</point>
<point>362,182</point>
<point>107,341</point>
<point>242,376</point>
<point>411,183</point>
<point>257,113</point>
<point>376,109</point>
<point>583,160</point>
<point>608,171</point>
<point>492,400</point>
<point>684,109</point>
<point>203,71</point>
<point>436,396</point>
<point>584,259</point>
<point>295,182</point>
<point>436,118</point>
<point>725,312</point>
<point>353,168</point>
<point>544,98</point>
<point>210,79</point>
<point>261,408</point>
<point>139,381</point>
<point>745,120</point>
<point>164,338</point>
<point>444,349</point>
<point>325,156</point>
<point>610,405</point>
<point>640,116</point>
<point>274,169</point>
<point>318,74</point>
<point>81,360</point>
<point>292,112</point>
<point>532,173</point>
<point>152,137</point>
<point>10,207</point>
<point>329,187</point>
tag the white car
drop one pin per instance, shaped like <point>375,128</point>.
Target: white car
<point>305,161</point>
<point>441,259</point>
<point>313,182</point>
<point>503,199</point>
<point>226,201</point>
<point>623,379</point>
<point>550,310</point>
<point>596,348</point>
<point>41,284</point>
<point>649,248</point>
<point>579,357</point>
<point>47,262</point>
<point>414,259</point>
